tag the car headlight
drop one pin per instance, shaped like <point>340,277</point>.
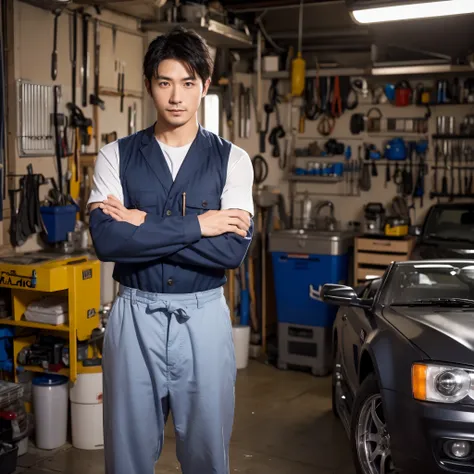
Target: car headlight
<point>438,383</point>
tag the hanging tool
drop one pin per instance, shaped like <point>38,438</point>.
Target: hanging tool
<point>444,183</point>
<point>471,177</point>
<point>85,56</point>
<point>365,178</point>
<point>57,138</point>
<point>54,54</point>
<point>27,220</point>
<point>109,137</point>
<point>336,105</point>
<point>114,43</point>
<point>453,165</point>
<point>407,173</point>
<point>94,98</point>
<point>435,174</point>
<point>122,86</point>
<point>398,177</point>
<point>388,178</point>
<point>419,190</point>
<point>460,187</point>
<point>298,65</point>
<point>82,136</point>
<point>260,167</point>
<point>73,53</point>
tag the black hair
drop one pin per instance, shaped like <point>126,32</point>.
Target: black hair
<point>183,45</point>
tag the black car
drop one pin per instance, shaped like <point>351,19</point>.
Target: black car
<point>403,378</point>
<point>447,232</point>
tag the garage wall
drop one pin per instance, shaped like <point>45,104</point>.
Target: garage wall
<point>32,62</point>
<point>351,208</point>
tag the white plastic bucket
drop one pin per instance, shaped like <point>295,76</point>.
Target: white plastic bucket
<point>87,412</point>
<point>241,336</point>
<point>50,401</point>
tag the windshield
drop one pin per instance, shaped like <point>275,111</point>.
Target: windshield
<point>452,224</point>
<point>430,283</point>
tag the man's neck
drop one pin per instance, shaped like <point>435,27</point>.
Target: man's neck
<point>176,136</point>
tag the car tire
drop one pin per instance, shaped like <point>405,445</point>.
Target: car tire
<point>336,361</point>
<point>369,436</point>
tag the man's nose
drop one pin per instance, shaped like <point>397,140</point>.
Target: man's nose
<point>175,97</point>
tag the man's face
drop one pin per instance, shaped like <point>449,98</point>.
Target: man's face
<point>176,92</point>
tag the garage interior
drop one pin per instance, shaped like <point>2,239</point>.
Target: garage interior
<point>355,131</point>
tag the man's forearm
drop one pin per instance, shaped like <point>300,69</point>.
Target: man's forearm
<point>156,238</point>
<point>225,251</point>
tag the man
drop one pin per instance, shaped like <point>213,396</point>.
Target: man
<point>172,207</point>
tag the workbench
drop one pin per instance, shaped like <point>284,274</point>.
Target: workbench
<point>372,255</point>
<point>31,276</point>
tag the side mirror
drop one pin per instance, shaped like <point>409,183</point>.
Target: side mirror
<point>340,295</point>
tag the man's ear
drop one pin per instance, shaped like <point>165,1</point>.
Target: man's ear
<point>148,85</point>
<point>206,87</point>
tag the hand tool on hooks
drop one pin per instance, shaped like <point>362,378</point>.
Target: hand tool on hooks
<point>73,53</point>
<point>114,43</point>
<point>326,125</point>
<point>453,164</point>
<point>388,177</point>
<point>336,105</point>
<point>122,87</point>
<point>82,135</point>
<point>54,54</point>
<point>85,56</point>
<point>94,98</point>
<point>260,167</point>
<point>444,183</point>
<point>398,177</point>
<point>471,177</point>
<point>435,174</point>
<point>465,152</point>
<point>242,111</point>
<point>109,137</point>
<point>460,187</point>
<point>57,138</point>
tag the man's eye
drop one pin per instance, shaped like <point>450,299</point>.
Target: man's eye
<point>189,84</point>
<point>163,83</point>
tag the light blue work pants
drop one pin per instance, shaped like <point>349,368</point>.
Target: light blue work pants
<point>168,352</point>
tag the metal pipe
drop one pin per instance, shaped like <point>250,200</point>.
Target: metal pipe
<point>300,30</point>
<point>282,7</point>
<point>348,32</point>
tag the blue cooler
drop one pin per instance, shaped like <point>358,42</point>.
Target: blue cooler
<point>303,261</point>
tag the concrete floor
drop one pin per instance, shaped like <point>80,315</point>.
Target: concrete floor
<point>283,425</point>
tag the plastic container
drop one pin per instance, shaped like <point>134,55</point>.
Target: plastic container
<point>8,458</point>
<point>241,337</point>
<point>59,220</point>
<point>50,402</point>
<point>294,276</point>
<point>87,412</point>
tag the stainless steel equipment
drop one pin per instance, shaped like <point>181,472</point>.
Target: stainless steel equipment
<point>374,218</point>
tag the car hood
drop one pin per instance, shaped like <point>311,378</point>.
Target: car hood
<point>441,249</point>
<point>444,334</point>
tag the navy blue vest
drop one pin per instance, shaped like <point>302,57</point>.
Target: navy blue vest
<point>148,185</point>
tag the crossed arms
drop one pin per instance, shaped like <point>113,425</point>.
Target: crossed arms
<point>215,239</point>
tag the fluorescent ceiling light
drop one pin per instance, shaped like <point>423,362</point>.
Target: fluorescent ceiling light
<point>413,11</point>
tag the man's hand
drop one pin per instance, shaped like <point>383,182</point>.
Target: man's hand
<point>215,223</point>
<point>115,209</point>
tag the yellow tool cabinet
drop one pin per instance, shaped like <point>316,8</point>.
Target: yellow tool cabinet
<point>33,275</point>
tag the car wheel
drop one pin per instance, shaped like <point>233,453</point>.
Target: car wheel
<point>369,435</point>
<point>335,375</point>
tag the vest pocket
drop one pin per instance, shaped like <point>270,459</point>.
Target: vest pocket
<point>198,204</point>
